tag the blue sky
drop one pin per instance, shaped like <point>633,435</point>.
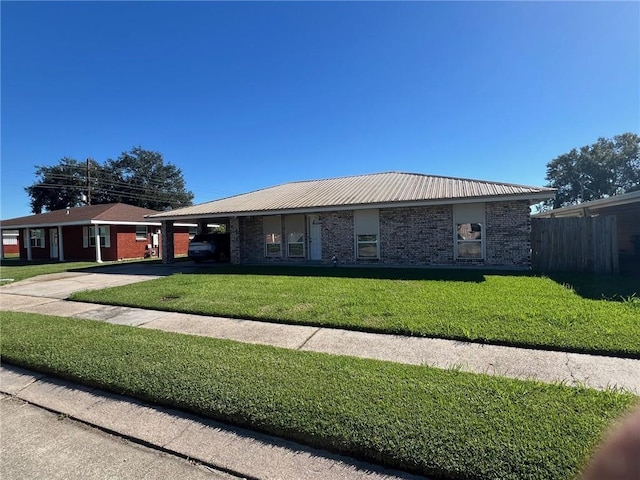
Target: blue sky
<point>246,95</point>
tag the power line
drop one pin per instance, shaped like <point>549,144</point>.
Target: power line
<point>130,195</point>
<point>59,176</point>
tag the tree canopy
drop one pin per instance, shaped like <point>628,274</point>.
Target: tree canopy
<point>138,177</point>
<point>607,167</point>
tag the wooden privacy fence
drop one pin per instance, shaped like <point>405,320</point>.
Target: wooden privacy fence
<point>575,244</point>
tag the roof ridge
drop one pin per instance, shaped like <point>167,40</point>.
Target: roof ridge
<point>492,182</point>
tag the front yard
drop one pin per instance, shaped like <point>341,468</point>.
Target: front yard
<point>440,423</point>
<point>575,313</point>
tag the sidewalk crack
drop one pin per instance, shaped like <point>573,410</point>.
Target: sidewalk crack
<point>308,339</point>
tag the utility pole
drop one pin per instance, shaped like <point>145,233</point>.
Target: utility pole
<point>88,183</point>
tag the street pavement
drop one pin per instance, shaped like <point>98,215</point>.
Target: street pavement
<point>241,452</point>
<point>38,444</point>
<point>223,448</point>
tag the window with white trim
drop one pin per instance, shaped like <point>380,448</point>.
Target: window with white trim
<point>294,225</point>
<point>141,232</point>
<point>272,230</point>
<point>469,226</point>
<point>89,236</point>
<point>367,233</point>
<point>36,238</point>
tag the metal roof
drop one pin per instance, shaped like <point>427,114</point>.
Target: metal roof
<point>361,191</point>
<point>623,201</point>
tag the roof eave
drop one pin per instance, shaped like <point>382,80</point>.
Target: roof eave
<point>593,206</point>
<point>75,223</point>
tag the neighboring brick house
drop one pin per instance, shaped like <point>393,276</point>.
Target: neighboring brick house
<point>92,233</point>
<point>385,218</point>
<point>10,242</point>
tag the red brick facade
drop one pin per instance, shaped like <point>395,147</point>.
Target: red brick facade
<point>123,243</point>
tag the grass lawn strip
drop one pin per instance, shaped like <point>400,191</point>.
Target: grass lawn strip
<point>511,309</point>
<point>441,423</point>
<point>16,269</point>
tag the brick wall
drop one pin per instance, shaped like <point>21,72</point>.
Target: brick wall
<point>72,243</point>
<point>508,233</point>
<point>251,243</point>
<point>416,236</point>
<point>338,236</point>
<point>408,236</point>
<point>180,240</point>
<point>128,246</point>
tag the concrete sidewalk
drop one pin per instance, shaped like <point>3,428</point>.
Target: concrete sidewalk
<point>37,443</point>
<point>240,452</point>
<point>45,294</point>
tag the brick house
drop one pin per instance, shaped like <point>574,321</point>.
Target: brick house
<point>10,242</point>
<point>92,233</point>
<point>385,218</point>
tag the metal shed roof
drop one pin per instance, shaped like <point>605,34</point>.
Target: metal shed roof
<point>361,191</point>
<point>621,202</point>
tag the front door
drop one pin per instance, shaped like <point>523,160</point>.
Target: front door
<point>53,243</point>
<point>315,238</point>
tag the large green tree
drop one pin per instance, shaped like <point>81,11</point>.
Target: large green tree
<point>142,176</point>
<point>60,186</point>
<point>138,177</point>
<point>608,167</point>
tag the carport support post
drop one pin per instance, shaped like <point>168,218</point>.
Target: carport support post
<point>60,245</point>
<point>96,229</point>
<point>167,242</point>
<point>2,246</point>
<point>234,239</point>
<point>27,233</point>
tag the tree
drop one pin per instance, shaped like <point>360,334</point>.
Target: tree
<point>608,167</point>
<point>139,177</point>
<point>59,186</point>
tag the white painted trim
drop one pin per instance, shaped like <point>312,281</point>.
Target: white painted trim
<point>367,231</point>
<point>461,216</point>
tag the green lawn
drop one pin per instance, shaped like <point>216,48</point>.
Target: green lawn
<point>574,313</point>
<point>440,423</point>
<point>14,269</point>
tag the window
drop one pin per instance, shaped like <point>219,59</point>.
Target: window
<point>294,225</point>
<point>141,232</point>
<point>367,233</point>
<point>469,240</point>
<point>469,231</point>
<point>272,228</point>
<point>367,246</point>
<point>295,243</point>
<point>36,237</point>
<point>89,236</point>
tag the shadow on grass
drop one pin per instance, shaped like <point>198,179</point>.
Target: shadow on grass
<point>599,287</point>
<point>589,286</point>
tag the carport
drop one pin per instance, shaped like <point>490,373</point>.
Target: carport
<point>203,224</point>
